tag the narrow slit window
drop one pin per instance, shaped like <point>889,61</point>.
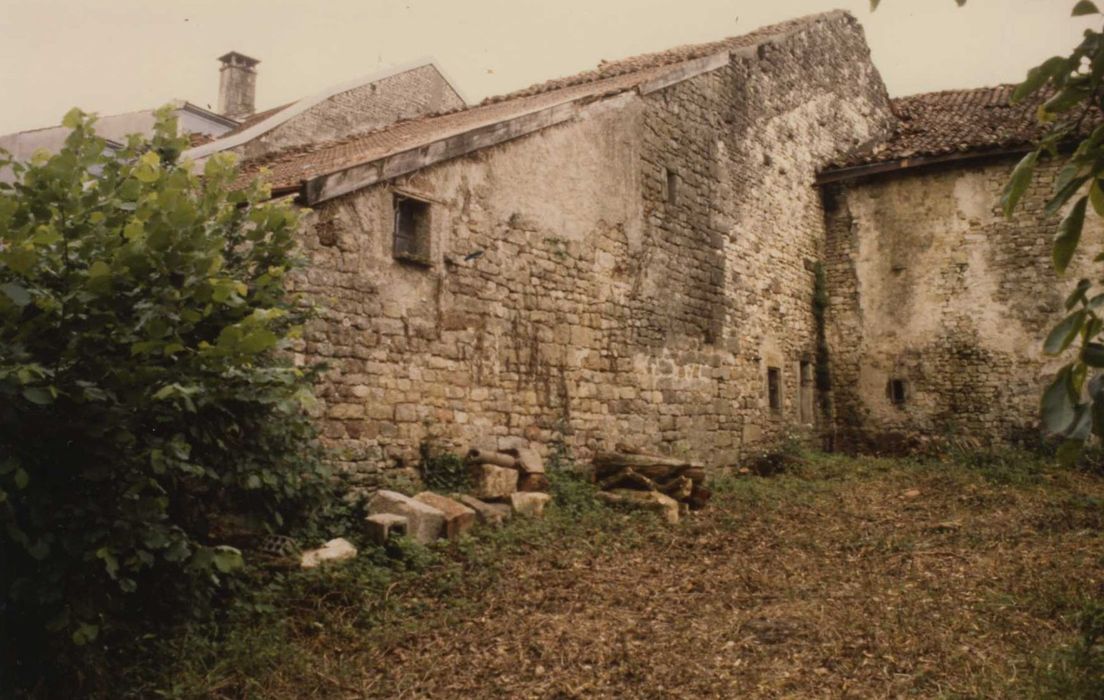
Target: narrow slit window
<point>411,235</point>
<point>672,186</point>
<point>897,390</point>
<point>805,394</point>
<point>806,373</point>
<point>774,388</point>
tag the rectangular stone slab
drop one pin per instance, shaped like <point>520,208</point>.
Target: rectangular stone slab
<point>533,482</point>
<point>382,526</point>
<point>490,481</point>
<point>338,549</point>
<point>528,461</point>
<point>493,514</point>
<point>645,500</point>
<point>424,522</point>
<point>529,503</point>
<point>458,517</point>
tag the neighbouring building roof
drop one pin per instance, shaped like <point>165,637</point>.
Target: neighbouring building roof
<point>254,119</point>
<point>258,124</point>
<point>290,169</point>
<point>947,125</point>
<point>199,124</point>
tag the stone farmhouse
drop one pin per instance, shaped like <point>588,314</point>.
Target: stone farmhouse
<point>703,252</point>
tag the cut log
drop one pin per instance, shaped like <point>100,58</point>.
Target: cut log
<point>678,488</point>
<point>627,477</point>
<point>499,459</point>
<point>654,467</point>
<point>699,496</point>
<point>654,501</point>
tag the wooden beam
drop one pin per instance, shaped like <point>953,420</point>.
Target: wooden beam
<point>325,187</point>
<point>856,171</point>
<point>686,71</point>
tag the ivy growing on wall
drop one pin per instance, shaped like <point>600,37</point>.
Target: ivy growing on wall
<point>820,311</point>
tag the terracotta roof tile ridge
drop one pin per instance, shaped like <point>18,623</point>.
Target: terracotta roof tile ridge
<point>315,146</point>
<point>678,54</point>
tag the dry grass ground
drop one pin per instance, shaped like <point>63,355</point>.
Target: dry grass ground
<point>837,578</point>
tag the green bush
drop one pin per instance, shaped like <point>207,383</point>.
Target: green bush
<point>443,471</point>
<point>144,394</point>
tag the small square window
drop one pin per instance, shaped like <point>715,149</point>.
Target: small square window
<point>897,391</point>
<point>412,230</point>
<point>774,388</point>
<point>672,186</point>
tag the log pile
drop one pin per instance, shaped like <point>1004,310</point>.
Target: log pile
<point>629,469</point>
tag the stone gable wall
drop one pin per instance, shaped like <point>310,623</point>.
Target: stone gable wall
<point>407,95</point>
<point>930,284</point>
<point>598,311</point>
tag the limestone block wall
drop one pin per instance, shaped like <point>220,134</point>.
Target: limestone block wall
<point>931,286</point>
<point>631,275</point>
<point>413,93</point>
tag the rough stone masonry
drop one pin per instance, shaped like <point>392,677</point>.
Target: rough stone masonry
<point>631,256</point>
<point>642,272</point>
<point>938,296</point>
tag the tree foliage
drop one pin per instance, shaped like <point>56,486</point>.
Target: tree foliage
<point>1071,106</point>
<point>1071,110</point>
<point>144,394</point>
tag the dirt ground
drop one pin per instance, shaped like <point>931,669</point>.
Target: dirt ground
<point>838,578</point>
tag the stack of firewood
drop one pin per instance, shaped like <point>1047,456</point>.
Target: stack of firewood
<point>630,469</point>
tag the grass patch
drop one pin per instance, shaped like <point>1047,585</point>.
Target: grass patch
<point>833,577</point>
<point>272,639</point>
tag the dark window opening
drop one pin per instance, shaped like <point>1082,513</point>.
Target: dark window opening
<point>411,239</point>
<point>672,187</point>
<point>774,388</point>
<point>897,391</point>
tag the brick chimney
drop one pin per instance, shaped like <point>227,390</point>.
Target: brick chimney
<point>237,85</point>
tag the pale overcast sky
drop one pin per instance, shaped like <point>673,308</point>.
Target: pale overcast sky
<point>118,55</point>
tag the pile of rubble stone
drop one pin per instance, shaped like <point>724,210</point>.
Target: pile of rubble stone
<point>502,483</point>
<point>513,481</point>
<point>668,485</point>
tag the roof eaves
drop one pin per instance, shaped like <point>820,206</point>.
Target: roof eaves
<point>208,114</point>
<point>327,186</point>
<point>355,177</point>
<point>854,172</point>
<point>372,169</point>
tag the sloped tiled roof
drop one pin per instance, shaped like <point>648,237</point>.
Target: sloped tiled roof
<point>254,119</point>
<point>289,168</point>
<point>679,54</point>
<point>952,122</point>
<point>197,139</point>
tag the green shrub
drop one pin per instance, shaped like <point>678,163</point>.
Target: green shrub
<point>443,471</point>
<point>144,393</point>
<point>1077,671</point>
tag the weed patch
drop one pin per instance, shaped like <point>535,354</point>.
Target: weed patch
<point>858,577</point>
